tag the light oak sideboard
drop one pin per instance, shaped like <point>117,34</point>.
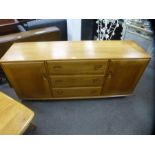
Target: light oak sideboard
<point>74,69</point>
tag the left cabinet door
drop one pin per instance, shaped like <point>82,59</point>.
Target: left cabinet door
<point>28,79</point>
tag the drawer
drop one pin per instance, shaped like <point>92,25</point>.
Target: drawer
<point>76,81</point>
<point>77,67</point>
<point>76,92</point>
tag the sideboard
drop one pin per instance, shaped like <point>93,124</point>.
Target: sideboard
<point>74,69</point>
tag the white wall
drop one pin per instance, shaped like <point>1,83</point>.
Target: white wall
<point>74,29</point>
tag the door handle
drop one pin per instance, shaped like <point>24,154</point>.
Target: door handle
<point>44,76</point>
<point>109,76</point>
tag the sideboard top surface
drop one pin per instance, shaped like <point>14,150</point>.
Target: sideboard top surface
<point>62,50</point>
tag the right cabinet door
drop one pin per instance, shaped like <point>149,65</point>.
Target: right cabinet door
<point>123,76</point>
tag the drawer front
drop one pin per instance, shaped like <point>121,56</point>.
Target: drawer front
<point>77,67</point>
<point>76,81</point>
<point>76,92</point>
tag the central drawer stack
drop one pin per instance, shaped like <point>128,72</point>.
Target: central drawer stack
<point>76,78</point>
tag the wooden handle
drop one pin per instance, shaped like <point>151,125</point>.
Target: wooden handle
<point>57,67</point>
<point>109,76</point>
<point>44,76</point>
<point>60,92</point>
<point>95,80</point>
<point>58,81</point>
<point>92,92</point>
<point>96,67</point>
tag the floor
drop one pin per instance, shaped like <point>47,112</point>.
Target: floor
<point>127,115</point>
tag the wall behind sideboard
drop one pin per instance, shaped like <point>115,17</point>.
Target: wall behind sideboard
<point>74,29</point>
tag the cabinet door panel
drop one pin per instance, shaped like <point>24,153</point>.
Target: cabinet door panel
<point>28,79</point>
<point>123,76</point>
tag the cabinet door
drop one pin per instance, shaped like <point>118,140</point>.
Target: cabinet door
<point>28,79</point>
<point>123,76</point>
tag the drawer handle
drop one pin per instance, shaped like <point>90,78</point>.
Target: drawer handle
<point>95,80</point>
<point>60,92</point>
<point>58,81</point>
<point>57,67</point>
<point>96,67</point>
<point>92,92</point>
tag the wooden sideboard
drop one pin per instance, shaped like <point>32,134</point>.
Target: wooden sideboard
<point>78,69</point>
